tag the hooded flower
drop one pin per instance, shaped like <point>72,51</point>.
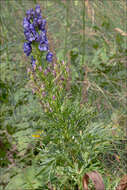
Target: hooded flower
<point>43,47</point>
<point>49,56</point>
<point>27,48</point>
<point>38,10</point>
<point>26,24</point>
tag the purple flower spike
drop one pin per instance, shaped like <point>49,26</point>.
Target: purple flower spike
<point>35,31</point>
<point>49,56</point>
<point>27,48</point>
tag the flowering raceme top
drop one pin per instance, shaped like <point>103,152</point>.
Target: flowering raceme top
<point>48,81</point>
<point>35,33</point>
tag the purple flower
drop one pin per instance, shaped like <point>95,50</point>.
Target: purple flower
<point>32,29</point>
<point>42,24</point>
<point>43,47</point>
<point>38,10</point>
<point>46,42</point>
<point>37,37</point>
<point>43,37</point>
<point>39,20</point>
<point>29,36</point>
<point>30,14</point>
<point>27,48</point>
<point>26,24</point>
<point>49,56</point>
<point>35,23</point>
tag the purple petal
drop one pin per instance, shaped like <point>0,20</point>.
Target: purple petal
<point>38,10</point>
<point>27,48</point>
<point>43,47</point>
<point>49,56</point>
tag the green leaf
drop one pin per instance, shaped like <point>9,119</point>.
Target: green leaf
<point>16,182</point>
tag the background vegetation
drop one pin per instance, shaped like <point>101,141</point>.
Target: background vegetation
<point>92,37</point>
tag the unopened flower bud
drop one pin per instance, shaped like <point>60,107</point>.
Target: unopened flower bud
<point>53,97</point>
<point>63,62</point>
<point>48,69</point>
<point>54,73</point>
<point>43,94</point>
<point>40,68</point>
<point>45,72</point>
<point>34,67</point>
<point>67,69</point>
<point>50,109</point>
<point>62,78</point>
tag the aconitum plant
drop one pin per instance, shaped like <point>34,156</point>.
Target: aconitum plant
<point>48,77</point>
<point>70,143</point>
